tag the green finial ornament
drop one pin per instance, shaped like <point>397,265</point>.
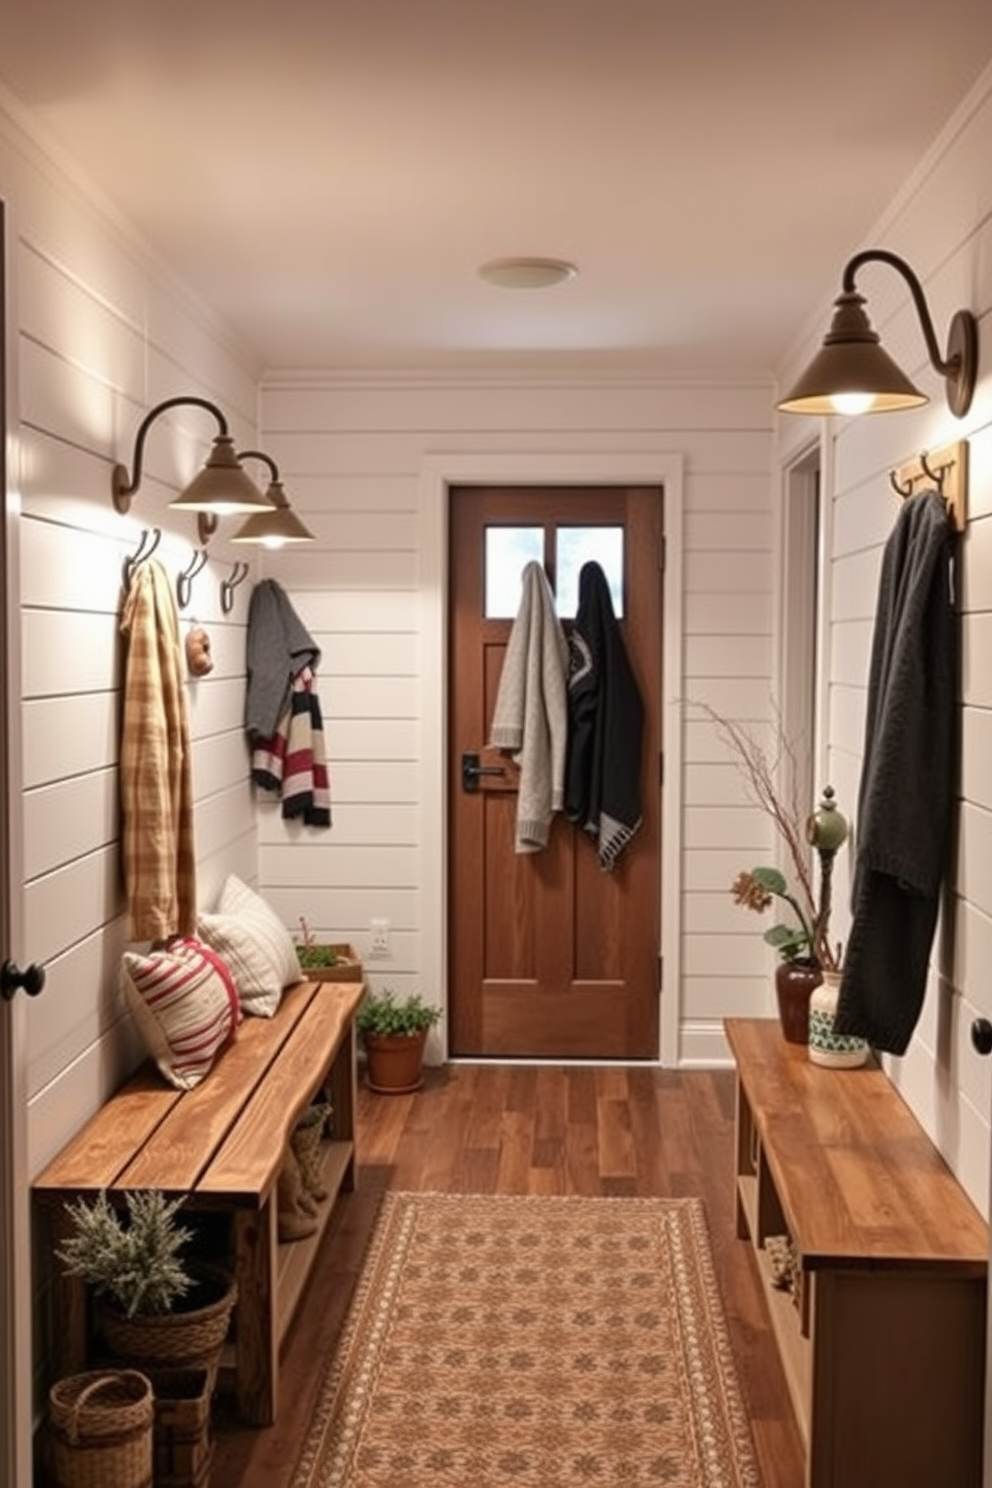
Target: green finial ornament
<point>826,829</point>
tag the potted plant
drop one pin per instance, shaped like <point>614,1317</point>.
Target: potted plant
<point>808,959</point>
<point>325,962</point>
<point>154,1309</point>
<point>394,1031</point>
<point>804,948</point>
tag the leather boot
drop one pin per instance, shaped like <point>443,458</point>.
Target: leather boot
<point>293,1220</point>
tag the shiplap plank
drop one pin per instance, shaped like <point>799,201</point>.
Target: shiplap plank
<point>304,861</point>
<point>976,756</point>
<point>976,649</point>
<point>733,532</point>
<point>739,954</point>
<point>728,655</point>
<point>372,698</point>
<point>362,825</point>
<point>722,997</point>
<point>712,784</point>
<point>64,736</point>
<point>854,586</point>
<point>69,820</point>
<point>976,567</point>
<point>723,573</point>
<point>343,906</point>
<point>360,739</point>
<point>711,870</point>
<point>850,650</point>
<point>737,614</point>
<point>67,904</point>
<point>82,1002</point>
<point>973,870</point>
<point>68,652</point>
<point>365,655</point>
<point>723,827</point>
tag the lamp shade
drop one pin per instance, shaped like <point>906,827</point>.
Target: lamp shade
<point>852,372</point>
<point>222,486</point>
<point>277,526</point>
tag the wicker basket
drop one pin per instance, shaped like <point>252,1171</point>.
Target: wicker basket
<point>184,1339</point>
<point>102,1430</point>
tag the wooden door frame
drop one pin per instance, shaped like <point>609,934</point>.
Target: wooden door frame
<point>16,1292</point>
<point>438,474</point>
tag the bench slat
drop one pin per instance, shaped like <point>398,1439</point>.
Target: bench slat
<point>97,1155</point>
<point>248,1162</point>
<point>178,1152</point>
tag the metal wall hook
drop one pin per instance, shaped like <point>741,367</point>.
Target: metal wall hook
<point>184,580</point>
<point>903,491</point>
<point>228,586</point>
<point>147,544</point>
<point>937,476</point>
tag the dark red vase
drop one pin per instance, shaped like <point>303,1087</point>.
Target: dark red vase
<point>795,983</point>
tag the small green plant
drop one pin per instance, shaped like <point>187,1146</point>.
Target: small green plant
<point>309,953</point>
<point>131,1261</point>
<point>382,1015</point>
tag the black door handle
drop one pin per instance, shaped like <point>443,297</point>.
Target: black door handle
<point>32,979</point>
<point>471,770</point>
<point>981,1035</point>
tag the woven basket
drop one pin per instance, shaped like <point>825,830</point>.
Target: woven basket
<point>102,1430</point>
<point>184,1339</point>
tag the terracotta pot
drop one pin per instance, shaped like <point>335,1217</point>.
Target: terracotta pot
<point>395,1063</point>
<point>795,983</point>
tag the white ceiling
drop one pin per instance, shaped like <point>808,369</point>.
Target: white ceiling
<point>329,174</point>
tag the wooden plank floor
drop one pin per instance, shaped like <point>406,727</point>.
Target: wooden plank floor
<point>544,1130</point>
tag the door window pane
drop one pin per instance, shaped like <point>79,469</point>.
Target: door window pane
<point>579,545</point>
<point>508,551</point>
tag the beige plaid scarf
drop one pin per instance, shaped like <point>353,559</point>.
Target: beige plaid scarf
<point>155,766</point>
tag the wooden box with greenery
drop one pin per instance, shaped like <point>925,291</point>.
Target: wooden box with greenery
<point>327,962</point>
<point>394,1032</point>
<point>155,1311</point>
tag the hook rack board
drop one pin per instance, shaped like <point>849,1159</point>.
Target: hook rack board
<point>951,463</point>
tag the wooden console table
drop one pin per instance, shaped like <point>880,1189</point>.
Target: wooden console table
<point>883,1335</point>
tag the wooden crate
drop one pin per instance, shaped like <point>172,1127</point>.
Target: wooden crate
<point>348,967</point>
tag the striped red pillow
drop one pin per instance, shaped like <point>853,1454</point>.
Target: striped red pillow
<point>185,1004</point>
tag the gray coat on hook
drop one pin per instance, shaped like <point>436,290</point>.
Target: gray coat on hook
<point>278,647</point>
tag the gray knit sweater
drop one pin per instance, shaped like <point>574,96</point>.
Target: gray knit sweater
<point>531,713</point>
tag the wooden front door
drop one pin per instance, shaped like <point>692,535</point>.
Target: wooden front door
<point>549,956</point>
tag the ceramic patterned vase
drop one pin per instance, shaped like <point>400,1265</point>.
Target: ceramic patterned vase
<point>835,1050</point>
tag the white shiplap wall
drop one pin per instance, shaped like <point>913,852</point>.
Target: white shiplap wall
<point>942,225</point>
<point>99,334</point>
<point>352,455</point>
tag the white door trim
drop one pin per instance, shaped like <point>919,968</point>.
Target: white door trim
<point>16,1373</point>
<point>439,472</point>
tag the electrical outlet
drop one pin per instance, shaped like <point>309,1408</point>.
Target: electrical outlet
<point>378,939</point>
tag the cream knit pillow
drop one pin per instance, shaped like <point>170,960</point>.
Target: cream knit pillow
<point>255,944</point>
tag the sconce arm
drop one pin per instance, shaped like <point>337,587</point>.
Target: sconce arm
<point>124,486</point>
<point>260,455</point>
<point>882,255</point>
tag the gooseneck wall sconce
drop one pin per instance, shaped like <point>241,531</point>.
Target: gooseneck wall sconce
<point>852,373</point>
<point>221,486</point>
<point>277,525</point>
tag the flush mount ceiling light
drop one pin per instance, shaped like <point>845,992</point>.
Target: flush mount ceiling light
<point>221,486</point>
<point>527,273</point>
<point>280,524</point>
<point>852,374</point>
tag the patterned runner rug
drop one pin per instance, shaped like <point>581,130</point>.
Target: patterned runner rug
<point>498,1342</point>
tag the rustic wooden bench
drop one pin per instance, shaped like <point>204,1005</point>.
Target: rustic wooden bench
<point>222,1145</point>
<point>882,1332</point>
